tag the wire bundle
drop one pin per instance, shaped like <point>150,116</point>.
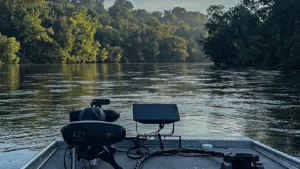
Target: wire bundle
<point>199,152</point>
<point>138,146</point>
<point>85,162</point>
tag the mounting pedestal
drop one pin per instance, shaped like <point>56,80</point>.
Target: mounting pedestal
<point>160,114</point>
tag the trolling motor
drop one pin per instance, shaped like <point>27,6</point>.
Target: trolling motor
<point>91,133</point>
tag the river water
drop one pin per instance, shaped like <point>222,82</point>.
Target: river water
<point>35,101</point>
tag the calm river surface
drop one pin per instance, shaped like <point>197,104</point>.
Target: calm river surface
<point>35,101</point>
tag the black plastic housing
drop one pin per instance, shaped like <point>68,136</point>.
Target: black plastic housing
<point>155,113</point>
<point>92,133</point>
<point>92,113</point>
<point>89,114</point>
<point>100,102</point>
<point>111,115</point>
<point>74,115</point>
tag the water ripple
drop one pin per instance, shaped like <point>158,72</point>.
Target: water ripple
<point>261,104</point>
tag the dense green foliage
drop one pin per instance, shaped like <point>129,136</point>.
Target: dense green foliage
<point>255,33</point>
<point>9,47</point>
<point>63,31</point>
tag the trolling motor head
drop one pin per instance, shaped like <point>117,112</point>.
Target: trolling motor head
<point>95,112</point>
<point>92,134</point>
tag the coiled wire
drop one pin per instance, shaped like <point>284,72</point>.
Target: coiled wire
<point>199,152</point>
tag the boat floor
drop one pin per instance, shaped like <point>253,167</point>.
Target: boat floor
<point>162,162</point>
<point>269,157</point>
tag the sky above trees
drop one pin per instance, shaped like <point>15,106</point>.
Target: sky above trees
<point>191,5</point>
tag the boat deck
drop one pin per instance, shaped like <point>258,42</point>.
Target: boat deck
<point>52,156</point>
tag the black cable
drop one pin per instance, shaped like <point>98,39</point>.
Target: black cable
<point>71,158</point>
<point>141,162</point>
<point>90,164</point>
<point>121,151</point>
<point>138,145</point>
<point>85,163</point>
<point>84,166</point>
<point>140,154</point>
<point>68,148</point>
<point>185,155</point>
<point>65,157</point>
<point>94,111</point>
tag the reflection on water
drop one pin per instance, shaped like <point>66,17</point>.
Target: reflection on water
<point>35,100</point>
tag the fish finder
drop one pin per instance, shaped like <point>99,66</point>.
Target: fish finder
<point>155,113</point>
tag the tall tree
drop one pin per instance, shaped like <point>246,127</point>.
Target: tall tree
<point>9,48</point>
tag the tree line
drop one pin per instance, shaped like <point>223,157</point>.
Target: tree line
<point>254,33</point>
<point>83,31</point>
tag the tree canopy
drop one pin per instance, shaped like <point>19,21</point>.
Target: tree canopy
<point>9,48</point>
<point>71,31</point>
<point>255,33</point>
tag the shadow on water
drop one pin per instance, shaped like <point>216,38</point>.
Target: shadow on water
<point>35,100</point>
